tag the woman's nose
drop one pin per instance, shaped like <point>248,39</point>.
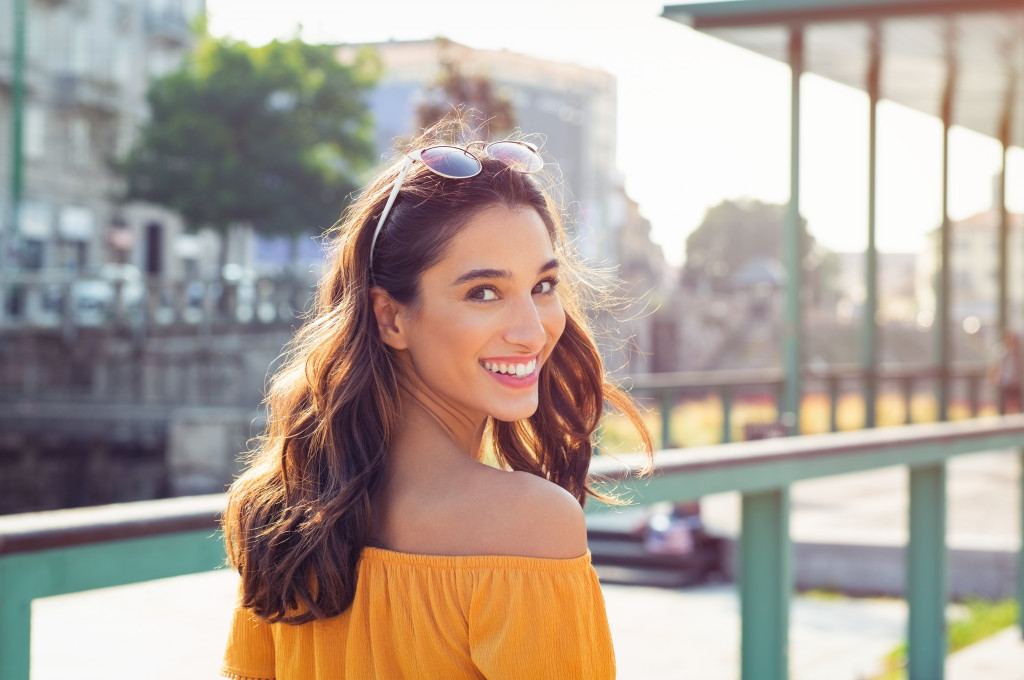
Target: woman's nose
<point>525,327</point>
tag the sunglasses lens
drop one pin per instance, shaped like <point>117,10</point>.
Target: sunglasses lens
<point>516,155</point>
<point>450,161</point>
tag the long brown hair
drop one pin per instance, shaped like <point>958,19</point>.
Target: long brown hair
<point>298,518</point>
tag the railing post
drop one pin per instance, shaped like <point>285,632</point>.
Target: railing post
<point>666,418</point>
<point>926,574</point>
<point>975,398</point>
<point>908,400</point>
<point>726,415</point>
<point>15,629</point>
<point>765,583</point>
<point>833,404</point>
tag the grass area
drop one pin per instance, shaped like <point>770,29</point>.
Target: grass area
<point>981,618</point>
<point>698,422</point>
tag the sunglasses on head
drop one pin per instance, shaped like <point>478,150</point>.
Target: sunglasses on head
<point>454,162</point>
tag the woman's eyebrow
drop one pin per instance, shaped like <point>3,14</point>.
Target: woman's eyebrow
<point>474,274</point>
<point>550,264</point>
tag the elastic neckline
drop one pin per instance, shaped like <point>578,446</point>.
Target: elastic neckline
<point>476,561</point>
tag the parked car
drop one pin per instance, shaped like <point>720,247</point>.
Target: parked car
<point>95,300</point>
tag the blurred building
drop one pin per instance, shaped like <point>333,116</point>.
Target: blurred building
<point>974,268</point>
<point>571,107</point>
<point>87,67</point>
<point>643,275</point>
<point>897,278</point>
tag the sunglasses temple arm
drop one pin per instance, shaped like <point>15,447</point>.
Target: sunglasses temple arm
<point>387,206</point>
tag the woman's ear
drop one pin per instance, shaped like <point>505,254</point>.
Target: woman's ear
<point>389,323</point>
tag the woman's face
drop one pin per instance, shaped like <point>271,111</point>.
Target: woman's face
<point>489,316</point>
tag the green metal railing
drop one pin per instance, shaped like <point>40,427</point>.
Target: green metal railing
<point>763,471</point>
<point>67,551</point>
<point>833,381</point>
<point>64,551</point>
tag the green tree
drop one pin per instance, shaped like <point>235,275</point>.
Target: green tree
<point>274,137</point>
<point>735,232</point>
<point>482,107</point>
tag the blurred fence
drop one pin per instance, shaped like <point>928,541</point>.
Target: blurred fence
<point>968,380</point>
<point>120,296</point>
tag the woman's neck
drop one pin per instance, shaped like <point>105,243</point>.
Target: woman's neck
<point>431,431</point>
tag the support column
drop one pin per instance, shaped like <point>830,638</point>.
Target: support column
<point>1004,221</point>
<point>792,248</point>
<point>943,355</point>
<point>765,584</point>
<point>1020,554</point>
<point>926,574</point>
<point>869,340</point>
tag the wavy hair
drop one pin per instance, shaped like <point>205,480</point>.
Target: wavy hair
<point>298,518</point>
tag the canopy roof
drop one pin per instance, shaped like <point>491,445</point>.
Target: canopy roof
<point>919,42</point>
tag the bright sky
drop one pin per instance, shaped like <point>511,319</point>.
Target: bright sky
<point>699,120</point>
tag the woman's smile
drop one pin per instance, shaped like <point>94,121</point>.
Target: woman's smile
<point>512,371</point>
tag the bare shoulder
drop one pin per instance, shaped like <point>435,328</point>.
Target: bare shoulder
<point>540,518</point>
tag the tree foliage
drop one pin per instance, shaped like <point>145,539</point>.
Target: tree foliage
<point>271,136</point>
<point>733,233</point>
<point>482,107</point>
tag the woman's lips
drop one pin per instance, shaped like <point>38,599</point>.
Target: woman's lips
<point>512,371</point>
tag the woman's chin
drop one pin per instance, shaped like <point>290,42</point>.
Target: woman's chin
<point>510,415</point>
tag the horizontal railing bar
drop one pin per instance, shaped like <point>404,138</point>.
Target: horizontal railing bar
<point>48,411</point>
<point>682,474</point>
<point>771,376</point>
<point>37,531</point>
<point>679,474</point>
<point>653,381</point>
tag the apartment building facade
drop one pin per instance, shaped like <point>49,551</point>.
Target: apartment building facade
<point>86,70</point>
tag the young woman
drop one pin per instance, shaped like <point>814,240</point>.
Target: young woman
<point>415,507</point>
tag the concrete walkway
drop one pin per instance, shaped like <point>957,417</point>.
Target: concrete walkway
<point>1000,657</point>
<point>176,628</point>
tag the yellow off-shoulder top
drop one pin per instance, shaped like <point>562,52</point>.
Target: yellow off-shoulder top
<point>434,616</point>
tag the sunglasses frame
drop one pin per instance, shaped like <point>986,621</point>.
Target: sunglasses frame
<point>417,156</point>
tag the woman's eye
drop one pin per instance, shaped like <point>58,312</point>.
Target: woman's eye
<point>546,287</point>
<point>483,294</point>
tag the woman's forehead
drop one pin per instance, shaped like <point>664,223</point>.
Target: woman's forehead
<point>499,238</point>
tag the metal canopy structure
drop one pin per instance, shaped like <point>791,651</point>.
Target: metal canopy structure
<point>961,61</point>
<point>919,40</point>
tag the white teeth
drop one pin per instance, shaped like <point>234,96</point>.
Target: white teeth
<point>518,370</point>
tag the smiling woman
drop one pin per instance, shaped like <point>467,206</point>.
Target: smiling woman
<point>371,538</point>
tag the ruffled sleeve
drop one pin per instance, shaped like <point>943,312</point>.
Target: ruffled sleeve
<point>250,649</point>
<point>541,619</point>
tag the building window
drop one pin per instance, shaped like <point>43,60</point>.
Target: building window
<point>78,50</point>
<point>32,253</point>
<point>34,132</point>
<point>79,146</point>
<point>123,61</point>
<point>38,22</point>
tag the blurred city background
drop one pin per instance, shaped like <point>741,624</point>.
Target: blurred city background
<point>814,210</point>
